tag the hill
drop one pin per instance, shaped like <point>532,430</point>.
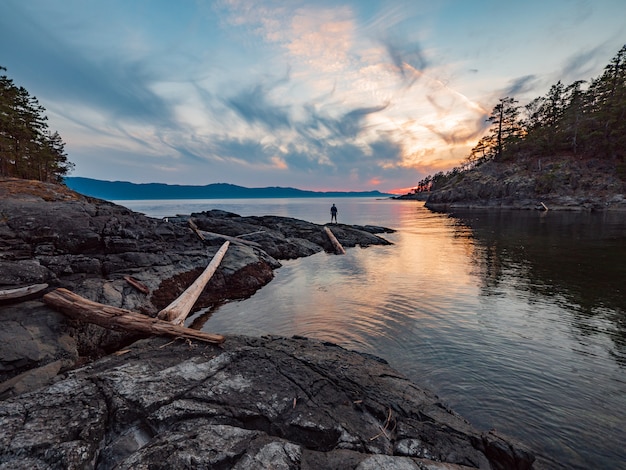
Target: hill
<point>559,182</point>
<point>122,190</point>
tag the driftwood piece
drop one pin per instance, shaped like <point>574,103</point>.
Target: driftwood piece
<point>79,308</point>
<point>236,240</point>
<point>194,227</point>
<point>177,311</point>
<point>338,248</point>
<point>251,233</point>
<point>137,285</point>
<point>19,292</point>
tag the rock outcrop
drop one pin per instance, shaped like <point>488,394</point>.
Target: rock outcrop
<point>250,403</point>
<point>49,234</point>
<point>562,183</point>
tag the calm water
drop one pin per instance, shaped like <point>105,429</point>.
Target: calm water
<point>517,320</point>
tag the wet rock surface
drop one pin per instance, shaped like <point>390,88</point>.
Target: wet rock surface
<point>265,402</point>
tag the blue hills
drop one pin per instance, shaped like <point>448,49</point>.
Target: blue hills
<point>123,190</point>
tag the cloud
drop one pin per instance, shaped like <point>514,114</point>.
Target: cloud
<point>321,39</point>
<point>581,64</point>
<point>351,123</point>
<point>253,106</point>
<point>406,60</point>
<point>121,88</point>
<point>520,85</point>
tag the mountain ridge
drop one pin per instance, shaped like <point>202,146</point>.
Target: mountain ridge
<point>124,190</point>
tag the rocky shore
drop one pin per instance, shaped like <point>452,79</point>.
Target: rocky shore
<point>556,183</point>
<point>80,396</point>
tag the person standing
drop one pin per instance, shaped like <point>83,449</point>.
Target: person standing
<point>333,214</point>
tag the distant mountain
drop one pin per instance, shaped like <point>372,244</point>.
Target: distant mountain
<point>122,190</point>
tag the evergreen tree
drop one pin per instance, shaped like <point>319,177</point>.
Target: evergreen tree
<point>606,105</point>
<point>27,148</point>
<point>505,125</point>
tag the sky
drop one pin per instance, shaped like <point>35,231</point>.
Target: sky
<point>349,95</point>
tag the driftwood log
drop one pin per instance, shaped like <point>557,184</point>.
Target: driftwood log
<point>338,248</point>
<point>177,311</point>
<point>19,292</point>
<point>235,240</point>
<point>202,234</point>
<point>80,308</point>
<point>194,228</point>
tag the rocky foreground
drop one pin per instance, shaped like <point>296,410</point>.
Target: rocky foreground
<point>79,396</point>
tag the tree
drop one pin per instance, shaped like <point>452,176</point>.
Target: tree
<point>28,149</point>
<point>573,114</point>
<point>505,125</point>
<point>606,105</point>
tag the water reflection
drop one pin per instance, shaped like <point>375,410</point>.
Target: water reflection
<point>515,320</point>
<point>576,259</point>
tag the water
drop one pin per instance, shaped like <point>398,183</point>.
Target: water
<point>517,320</point>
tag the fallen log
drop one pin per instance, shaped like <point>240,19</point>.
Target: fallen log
<point>80,308</point>
<point>177,311</point>
<point>19,292</point>
<point>338,248</point>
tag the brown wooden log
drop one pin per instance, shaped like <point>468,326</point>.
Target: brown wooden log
<point>80,308</point>
<point>177,311</point>
<point>338,248</point>
<point>137,285</point>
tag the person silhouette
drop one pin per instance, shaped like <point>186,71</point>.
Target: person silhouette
<point>333,214</point>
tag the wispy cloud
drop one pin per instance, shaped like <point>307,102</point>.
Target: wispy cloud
<point>520,85</point>
<point>253,106</point>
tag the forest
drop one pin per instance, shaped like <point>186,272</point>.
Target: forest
<point>28,148</point>
<point>583,119</point>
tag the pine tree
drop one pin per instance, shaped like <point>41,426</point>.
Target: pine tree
<point>505,125</point>
<point>27,147</point>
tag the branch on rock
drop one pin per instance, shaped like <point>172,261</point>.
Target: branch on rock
<point>79,308</point>
<point>202,234</point>
<point>194,227</point>
<point>137,285</point>
<point>237,240</point>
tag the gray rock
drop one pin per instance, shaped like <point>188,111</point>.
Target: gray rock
<point>250,403</point>
<point>31,336</point>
